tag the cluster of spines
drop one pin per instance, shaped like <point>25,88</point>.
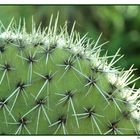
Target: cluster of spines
<point>119,80</point>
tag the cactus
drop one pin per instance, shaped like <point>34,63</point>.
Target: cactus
<point>53,82</point>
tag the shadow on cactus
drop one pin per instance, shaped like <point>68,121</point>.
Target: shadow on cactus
<point>52,82</point>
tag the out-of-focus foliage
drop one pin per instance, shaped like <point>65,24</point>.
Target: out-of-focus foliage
<point>120,25</point>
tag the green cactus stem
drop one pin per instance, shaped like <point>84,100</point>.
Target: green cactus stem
<point>53,82</point>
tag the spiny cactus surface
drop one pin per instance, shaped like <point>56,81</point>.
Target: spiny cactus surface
<point>52,82</point>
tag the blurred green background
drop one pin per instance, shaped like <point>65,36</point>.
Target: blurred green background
<point>119,24</point>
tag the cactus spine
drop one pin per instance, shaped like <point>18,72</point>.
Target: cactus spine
<point>57,83</point>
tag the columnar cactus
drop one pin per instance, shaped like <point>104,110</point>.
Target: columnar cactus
<point>53,82</point>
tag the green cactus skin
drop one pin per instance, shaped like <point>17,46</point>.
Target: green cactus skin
<point>56,83</point>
